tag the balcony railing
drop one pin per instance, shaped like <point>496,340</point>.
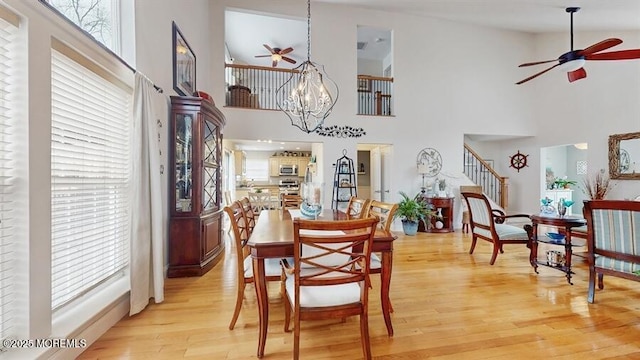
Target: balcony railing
<point>255,87</point>
<point>374,95</point>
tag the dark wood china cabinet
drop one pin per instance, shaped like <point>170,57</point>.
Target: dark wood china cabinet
<point>195,158</point>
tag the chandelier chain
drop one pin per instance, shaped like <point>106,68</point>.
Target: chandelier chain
<point>308,30</point>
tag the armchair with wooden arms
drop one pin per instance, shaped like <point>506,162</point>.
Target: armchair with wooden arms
<point>490,225</point>
<point>613,240</point>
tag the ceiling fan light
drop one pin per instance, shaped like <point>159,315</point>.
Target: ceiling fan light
<point>572,65</point>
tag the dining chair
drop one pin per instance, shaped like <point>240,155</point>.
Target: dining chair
<point>384,212</point>
<point>490,225</point>
<point>228,202</point>
<point>329,277</point>
<point>247,210</point>
<point>244,273</point>
<point>290,201</point>
<point>260,201</point>
<point>357,208</point>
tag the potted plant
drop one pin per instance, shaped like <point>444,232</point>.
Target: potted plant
<point>563,183</point>
<point>411,211</point>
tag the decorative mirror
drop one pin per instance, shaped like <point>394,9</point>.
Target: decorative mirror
<point>624,156</point>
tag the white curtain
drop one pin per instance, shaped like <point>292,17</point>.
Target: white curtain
<point>147,275</point>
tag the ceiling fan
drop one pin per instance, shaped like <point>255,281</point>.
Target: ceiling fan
<point>277,54</point>
<point>573,61</point>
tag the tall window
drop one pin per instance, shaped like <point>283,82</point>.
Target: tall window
<point>7,141</point>
<point>98,18</point>
<point>90,161</point>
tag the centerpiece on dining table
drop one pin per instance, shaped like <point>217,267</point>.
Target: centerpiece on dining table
<point>311,205</point>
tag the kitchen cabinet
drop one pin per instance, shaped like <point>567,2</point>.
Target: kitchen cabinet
<point>276,161</point>
<point>240,159</point>
<point>195,214</point>
<point>556,195</point>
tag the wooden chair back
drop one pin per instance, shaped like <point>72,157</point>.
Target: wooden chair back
<point>241,233</point>
<point>291,201</point>
<point>385,213</point>
<point>357,208</point>
<point>247,210</point>
<point>260,201</point>
<point>330,276</point>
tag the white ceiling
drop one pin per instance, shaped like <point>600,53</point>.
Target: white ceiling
<point>534,16</point>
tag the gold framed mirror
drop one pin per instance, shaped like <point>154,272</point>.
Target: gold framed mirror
<point>624,156</point>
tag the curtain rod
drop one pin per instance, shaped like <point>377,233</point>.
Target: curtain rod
<point>46,3</point>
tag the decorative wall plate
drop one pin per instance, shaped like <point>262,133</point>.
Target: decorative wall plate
<point>432,159</point>
<point>518,161</point>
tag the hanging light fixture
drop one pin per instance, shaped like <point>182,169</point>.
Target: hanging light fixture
<point>304,97</point>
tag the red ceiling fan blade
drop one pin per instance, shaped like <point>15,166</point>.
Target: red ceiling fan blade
<point>274,63</point>
<point>615,55</point>
<point>288,59</point>
<point>602,45</point>
<point>286,51</point>
<point>537,63</point>
<point>577,74</point>
<point>263,55</point>
<point>269,48</point>
<point>536,75</point>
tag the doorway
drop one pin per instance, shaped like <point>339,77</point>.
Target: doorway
<point>374,171</point>
<point>568,162</point>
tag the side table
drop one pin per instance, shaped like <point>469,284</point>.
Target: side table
<point>443,206</point>
<point>562,222</point>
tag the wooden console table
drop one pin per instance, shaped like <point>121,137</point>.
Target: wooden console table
<point>444,208</point>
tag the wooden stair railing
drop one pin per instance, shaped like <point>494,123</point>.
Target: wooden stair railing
<point>481,173</point>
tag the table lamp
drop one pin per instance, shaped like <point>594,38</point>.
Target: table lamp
<point>423,170</point>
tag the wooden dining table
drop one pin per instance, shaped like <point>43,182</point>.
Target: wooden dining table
<point>272,237</point>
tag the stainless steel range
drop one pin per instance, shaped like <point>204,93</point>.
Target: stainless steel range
<point>289,186</point>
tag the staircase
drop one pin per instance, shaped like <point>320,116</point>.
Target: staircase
<point>481,173</point>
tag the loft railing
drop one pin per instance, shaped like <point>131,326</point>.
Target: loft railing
<point>481,173</point>
<point>374,95</point>
<point>255,87</point>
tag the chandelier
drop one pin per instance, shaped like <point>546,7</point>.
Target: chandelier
<point>304,97</point>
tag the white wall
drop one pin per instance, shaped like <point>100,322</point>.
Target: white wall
<point>459,79</point>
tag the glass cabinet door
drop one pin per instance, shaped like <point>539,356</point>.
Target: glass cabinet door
<point>211,165</point>
<point>184,161</point>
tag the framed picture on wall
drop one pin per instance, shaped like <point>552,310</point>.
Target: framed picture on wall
<point>184,64</point>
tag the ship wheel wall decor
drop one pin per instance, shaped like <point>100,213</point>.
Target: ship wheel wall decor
<point>518,161</point>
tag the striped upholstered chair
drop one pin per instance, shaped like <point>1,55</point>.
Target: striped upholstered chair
<point>613,238</point>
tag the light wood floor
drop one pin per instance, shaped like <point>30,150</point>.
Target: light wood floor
<point>448,305</point>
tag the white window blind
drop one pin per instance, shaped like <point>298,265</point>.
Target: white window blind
<point>7,176</point>
<point>257,169</point>
<point>90,161</point>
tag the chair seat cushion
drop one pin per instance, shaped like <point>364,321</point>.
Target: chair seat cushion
<point>505,232</point>
<point>271,267</point>
<point>321,296</point>
<point>376,263</point>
